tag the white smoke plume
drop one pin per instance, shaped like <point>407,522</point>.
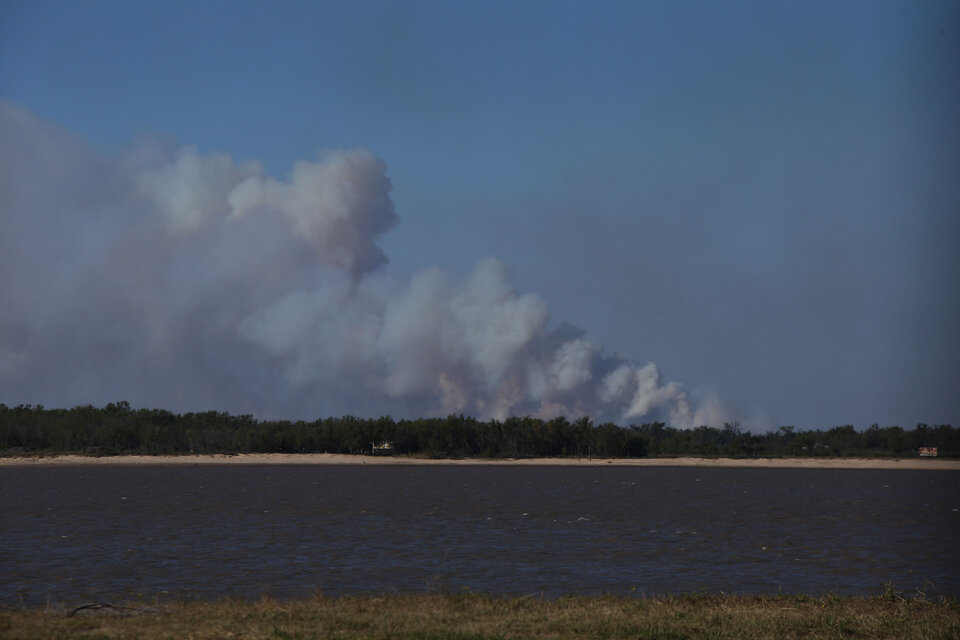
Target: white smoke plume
<point>191,281</point>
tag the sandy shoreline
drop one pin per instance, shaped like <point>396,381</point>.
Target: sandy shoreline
<point>341,459</point>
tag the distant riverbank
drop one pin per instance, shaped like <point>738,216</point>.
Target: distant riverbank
<point>342,459</point>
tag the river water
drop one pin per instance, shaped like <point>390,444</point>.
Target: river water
<point>74,534</point>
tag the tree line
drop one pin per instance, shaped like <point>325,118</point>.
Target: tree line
<point>117,428</point>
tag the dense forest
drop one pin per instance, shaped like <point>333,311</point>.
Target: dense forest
<point>116,428</point>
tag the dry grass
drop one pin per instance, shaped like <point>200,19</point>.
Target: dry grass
<point>438,616</point>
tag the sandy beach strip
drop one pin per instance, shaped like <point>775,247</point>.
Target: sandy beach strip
<point>342,459</point>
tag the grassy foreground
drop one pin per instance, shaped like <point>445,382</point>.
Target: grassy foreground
<point>438,616</point>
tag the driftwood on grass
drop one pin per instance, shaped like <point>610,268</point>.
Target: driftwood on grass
<point>105,608</point>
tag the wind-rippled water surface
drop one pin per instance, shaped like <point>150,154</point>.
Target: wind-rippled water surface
<point>80,533</point>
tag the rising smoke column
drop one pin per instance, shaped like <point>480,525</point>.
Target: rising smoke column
<point>191,281</point>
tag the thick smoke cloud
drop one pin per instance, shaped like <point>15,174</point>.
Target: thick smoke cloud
<point>190,281</point>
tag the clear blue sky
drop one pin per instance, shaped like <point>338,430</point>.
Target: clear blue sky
<point>763,198</point>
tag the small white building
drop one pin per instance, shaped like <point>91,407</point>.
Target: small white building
<point>383,447</point>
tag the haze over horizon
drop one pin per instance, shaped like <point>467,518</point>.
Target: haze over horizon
<point>635,211</point>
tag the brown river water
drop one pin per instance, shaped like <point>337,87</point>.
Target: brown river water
<point>76,534</point>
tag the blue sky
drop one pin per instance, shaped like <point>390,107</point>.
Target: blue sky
<point>762,198</point>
